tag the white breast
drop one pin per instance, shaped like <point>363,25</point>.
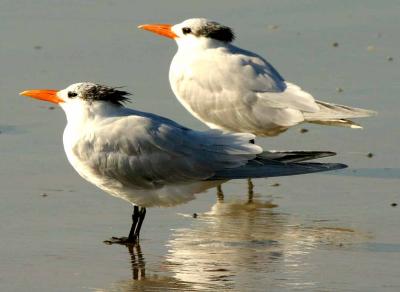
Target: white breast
<point>167,195</point>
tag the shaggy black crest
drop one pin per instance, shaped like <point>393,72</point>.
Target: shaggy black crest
<point>217,31</point>
<point>105,93</point>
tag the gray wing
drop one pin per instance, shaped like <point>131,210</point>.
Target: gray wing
<point>148,153</point>
<point>280,163</point>
<point>272,168</point>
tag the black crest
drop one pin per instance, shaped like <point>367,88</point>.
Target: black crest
<point>106,93</point>
<point>217,31</point>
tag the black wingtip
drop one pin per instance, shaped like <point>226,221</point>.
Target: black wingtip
<point>294,156</point>
<point>337,166</point>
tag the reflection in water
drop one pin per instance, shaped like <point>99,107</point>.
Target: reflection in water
<point>240,245</point>
<point>137,261</point>
<point>142,282</point>
<point>245,245</point>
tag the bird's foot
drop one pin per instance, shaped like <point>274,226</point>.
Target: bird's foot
<point>122,240</point>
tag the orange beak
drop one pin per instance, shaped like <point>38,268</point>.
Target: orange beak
<point>43,94</point>
<point>161,29</point>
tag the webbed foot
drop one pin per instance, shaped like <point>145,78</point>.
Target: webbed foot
<point>122,241</point>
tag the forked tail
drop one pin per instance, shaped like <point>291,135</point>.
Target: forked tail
<point>337,115</point>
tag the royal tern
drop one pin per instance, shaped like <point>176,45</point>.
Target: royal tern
<point>149,160</point>
<point>236,90</point>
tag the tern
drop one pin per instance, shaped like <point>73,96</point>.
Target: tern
<point>149,160</point>
<point>232,89</point>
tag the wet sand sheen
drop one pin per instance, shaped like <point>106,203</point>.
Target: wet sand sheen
<point>226,248</point>
<point>330,232</point>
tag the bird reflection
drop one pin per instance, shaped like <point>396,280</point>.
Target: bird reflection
<point>140,281</point>
<point>137,262</point>
<point>238,245</point>
<point>250,190</point>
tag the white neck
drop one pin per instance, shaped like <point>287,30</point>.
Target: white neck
<point>191,43</point>
<point>82,116</point>
<point>79,112</point>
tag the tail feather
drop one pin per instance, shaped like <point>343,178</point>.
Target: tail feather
<point>293,156</point>
<point>339,123</point>
<point>272,168</point>
<point>337,115</point>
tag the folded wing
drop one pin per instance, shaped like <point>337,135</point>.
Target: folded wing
<point>146,153</point>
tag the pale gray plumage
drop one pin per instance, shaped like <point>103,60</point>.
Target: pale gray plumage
<point>149,160</point>
<point>157,151</point>
<point>236,90</point>
<point>154,151</point>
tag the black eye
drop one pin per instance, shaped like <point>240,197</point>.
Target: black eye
<point>72,94</point>
<point>186,30</point>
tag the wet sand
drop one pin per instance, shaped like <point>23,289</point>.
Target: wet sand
<point>318,232</point>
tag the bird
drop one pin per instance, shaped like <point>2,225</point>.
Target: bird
<point>149,160</point>
<point>236,90</point>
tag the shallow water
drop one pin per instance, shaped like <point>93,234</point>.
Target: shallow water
<point>321,232</point>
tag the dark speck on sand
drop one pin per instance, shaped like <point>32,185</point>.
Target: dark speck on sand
<point>303,130</point>
<point>370,155</point>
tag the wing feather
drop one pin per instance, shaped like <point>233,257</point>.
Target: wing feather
<point>143,152</point>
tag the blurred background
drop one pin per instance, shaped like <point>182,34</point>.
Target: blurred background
<point>321,232</point>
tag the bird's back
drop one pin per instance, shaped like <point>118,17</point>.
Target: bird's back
<point>233,89</point>
<point>135,154</point>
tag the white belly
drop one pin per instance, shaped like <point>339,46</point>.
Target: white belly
<point>162,196</point>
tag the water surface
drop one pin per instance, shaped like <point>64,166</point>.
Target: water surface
<point>319,232</point>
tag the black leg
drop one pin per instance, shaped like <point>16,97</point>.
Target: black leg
<point>250,190</point>
<point>250,184</point>
<point>137,221</point>
<point>220,194</point>
<point>142,214</point>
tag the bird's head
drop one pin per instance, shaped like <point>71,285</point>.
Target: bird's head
<point>192,31</point>
<point>84,93</point>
